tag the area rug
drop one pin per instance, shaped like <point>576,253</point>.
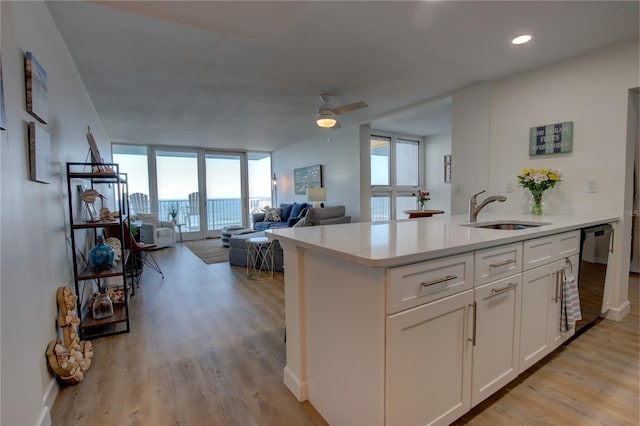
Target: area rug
<point>210,250</point>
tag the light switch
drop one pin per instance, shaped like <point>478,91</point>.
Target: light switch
<point>457,188</point>
<point>508,187</point>
<point>592,185</point>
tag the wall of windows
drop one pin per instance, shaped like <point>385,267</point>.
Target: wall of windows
<point>212,189</point>
<point>397,171</point>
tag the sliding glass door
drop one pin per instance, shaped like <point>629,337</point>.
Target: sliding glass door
<point>224,204</point>
<point>211,189</point>
<point>177,185</point>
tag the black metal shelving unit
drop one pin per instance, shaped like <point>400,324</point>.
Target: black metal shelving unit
<point>102,176</point>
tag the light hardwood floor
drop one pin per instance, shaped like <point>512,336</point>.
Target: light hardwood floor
<point>207,348</point>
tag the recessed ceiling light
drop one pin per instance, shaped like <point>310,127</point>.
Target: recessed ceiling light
<point>521,39</point>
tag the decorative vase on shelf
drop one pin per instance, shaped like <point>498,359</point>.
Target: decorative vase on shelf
<point>102,306</point>
<point>102,256</point>
<point>536,203</point>
<point>420,206</point>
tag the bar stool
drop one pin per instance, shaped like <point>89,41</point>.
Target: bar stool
<point>259,258</point>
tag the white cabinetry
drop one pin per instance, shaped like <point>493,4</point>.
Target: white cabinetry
<point>428,358</point>
<point>542,295</point>
<point>496,337</point>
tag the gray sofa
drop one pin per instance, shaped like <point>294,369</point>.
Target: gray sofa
<point>290,215</point>
<point>315,216</point>
<point>325,216</point>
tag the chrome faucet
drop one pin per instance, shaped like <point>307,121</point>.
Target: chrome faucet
<point>474,208</point>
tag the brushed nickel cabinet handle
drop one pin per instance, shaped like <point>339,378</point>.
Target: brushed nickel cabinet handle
<point>557,274</point>
<point>506,262</point>
<point>441,280</point>
<point>475,327</point>
<point>496,291</point>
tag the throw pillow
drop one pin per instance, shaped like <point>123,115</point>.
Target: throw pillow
<point>296,209</point>
<point>150,218</point>
<point>286,211</point>
<point>272,214</point>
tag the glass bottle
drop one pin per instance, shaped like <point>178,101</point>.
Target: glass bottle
<point>102,306</point>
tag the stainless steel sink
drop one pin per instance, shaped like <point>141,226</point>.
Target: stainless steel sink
<point>510,225</point>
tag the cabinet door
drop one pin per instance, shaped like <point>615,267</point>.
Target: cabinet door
<point>428,362</point>
<point>534,314</point>
<point>556,337</point>
<point>497,344</point>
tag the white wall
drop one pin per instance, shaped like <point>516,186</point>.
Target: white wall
<point>470,141</point>
<point>437,146</point>
<point>339,158</point>
<point>35,256</point>
<point>592,92</point>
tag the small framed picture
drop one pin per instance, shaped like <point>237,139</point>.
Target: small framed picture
<point>39,154</point>
<point>36,82</point>
<point>447,168</point>
<point>95,153</point>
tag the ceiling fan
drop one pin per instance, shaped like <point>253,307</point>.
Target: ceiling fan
<point>326,117</point>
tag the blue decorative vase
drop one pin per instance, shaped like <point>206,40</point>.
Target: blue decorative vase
<point>101,256</point>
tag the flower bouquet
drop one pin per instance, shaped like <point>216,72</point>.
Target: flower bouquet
<point>537,181</point>
<point>421,198</point>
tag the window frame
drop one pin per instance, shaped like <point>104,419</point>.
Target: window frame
<point>393,190</point>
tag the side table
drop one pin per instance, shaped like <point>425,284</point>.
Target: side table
<point>259,258</point>
<point>422,213</point>
<point>179,226</point>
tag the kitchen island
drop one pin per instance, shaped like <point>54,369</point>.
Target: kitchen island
<point>386,322</point>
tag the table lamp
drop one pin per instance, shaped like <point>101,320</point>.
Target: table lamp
<point>317,195</point>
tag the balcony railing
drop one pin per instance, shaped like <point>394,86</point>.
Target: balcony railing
<point>221,212</point>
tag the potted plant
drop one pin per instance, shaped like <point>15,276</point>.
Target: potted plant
<point>174,209</point>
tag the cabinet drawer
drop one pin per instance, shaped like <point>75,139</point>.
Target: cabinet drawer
<point>497,262</point>
<point>413,285</point>
<point>541,251</point>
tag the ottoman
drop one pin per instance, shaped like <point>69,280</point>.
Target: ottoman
<point>238,250</point>
<point>227,231</point>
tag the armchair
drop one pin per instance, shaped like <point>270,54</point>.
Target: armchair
<point>156,231</point>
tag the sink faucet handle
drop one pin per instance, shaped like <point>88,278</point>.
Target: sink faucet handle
<point>473,197</point>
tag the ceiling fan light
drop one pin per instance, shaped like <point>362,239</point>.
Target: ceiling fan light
<point>326,120</point>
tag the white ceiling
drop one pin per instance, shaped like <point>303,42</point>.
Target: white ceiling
<point>248,75</point>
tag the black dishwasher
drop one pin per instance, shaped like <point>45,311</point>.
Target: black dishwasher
<point>595,245</point>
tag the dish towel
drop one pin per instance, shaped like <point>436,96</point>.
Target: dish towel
<point>570,304</point>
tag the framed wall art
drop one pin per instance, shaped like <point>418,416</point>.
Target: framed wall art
<point>95,152</point>
<point>551,139</point>
<point>36,82</point>
<point>39,153</point>
<point>307,177</point>
<point>447,168</point>
<point>3,114</point>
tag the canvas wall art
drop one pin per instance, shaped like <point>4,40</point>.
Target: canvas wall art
<point>36,82</point>
<point>39,153</point>
<point>307,177</point>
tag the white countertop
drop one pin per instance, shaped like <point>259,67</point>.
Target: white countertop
<point>401,242</point>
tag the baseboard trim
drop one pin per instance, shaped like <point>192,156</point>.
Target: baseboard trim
<point>45,417</point>
<point>298,389</point>
<point>618,313</point>
<point>47,400</point>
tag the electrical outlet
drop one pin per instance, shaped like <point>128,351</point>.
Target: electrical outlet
<point>592,185</point>
<point>508,187</point>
